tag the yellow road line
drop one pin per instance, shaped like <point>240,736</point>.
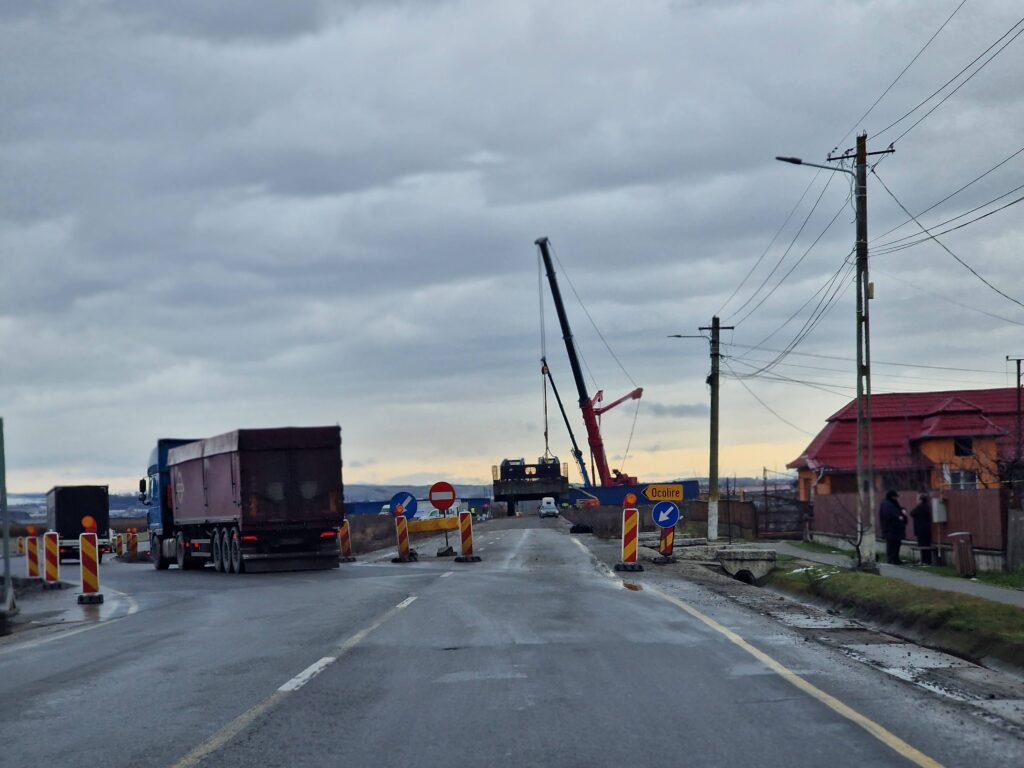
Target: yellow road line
<point>247,718</point>
<point>888,738</point>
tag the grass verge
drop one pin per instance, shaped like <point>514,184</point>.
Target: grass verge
<point>823,549</point>
<point>962,624</point>
<point>1010,580</point>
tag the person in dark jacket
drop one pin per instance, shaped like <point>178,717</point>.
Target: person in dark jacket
<point>893,525</point>
<point>922,516</point>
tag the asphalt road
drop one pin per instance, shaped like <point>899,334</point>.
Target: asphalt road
<point>536,656</point>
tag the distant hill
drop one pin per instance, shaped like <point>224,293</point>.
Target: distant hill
<point>359,492</point>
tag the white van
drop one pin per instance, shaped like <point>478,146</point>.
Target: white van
<point>547,507</point>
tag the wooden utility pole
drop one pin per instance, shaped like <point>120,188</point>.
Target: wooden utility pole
<point>716,328</point>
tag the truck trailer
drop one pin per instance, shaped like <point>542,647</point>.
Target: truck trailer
<point>72,510</point>
<point>248,500</point>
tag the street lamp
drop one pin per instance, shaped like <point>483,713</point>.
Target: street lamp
<point>865,474</point>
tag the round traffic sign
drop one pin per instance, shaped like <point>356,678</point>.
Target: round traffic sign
<point>442,495</point>
<point>403,504</point>
<point>665,514</point>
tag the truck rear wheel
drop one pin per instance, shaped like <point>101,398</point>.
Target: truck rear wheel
<point>156,554</point>
<point>235,552</point>
<point>216,552</point>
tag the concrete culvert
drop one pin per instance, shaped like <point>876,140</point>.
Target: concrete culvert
<point>746,577</point>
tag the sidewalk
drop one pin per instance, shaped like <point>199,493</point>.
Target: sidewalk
<point>906,573</point>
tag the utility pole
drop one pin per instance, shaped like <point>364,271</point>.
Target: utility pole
<point>7,608</point>
<point>716,328</point>
<point>1017,360</point>
<point>865,456</point>
<point>1015,473</point>
<point>865,475</point>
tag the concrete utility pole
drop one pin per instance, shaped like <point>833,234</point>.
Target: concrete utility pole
<point>865,457</point>
<point>1017,360</point>
<point>713,381</point>
<point>865,475</point>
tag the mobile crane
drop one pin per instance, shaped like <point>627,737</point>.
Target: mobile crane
<point>589,405</point>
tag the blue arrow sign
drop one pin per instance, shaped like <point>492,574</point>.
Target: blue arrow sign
<point>665,514</point>
<point>405,501</point>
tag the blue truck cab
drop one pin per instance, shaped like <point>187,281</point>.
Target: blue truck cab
<point>155,490</point>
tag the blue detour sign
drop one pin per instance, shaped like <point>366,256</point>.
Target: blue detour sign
<point>403,504</point>
<point>665,514</point>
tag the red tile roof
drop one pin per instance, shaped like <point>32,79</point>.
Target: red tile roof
<point>899,419</point>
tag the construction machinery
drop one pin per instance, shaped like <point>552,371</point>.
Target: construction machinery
<point>590,406</point>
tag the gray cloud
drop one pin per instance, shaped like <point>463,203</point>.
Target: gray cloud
<point>679,410</point>
<point>226,214</point>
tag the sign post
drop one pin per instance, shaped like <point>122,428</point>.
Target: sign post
<point>665,515</point>
<point>442,496</point>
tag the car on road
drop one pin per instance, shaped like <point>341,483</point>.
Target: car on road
<point>547,507</point>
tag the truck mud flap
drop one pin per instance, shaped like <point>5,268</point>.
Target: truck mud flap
<point>298,563</point>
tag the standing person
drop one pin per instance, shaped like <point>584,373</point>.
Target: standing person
<point>922,515</point>
<point>893,524</point>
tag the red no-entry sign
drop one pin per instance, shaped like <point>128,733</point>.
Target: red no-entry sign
<point>442,495</point>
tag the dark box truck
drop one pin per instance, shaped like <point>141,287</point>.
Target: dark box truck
<point>72,510</point>
<point>251,500</point>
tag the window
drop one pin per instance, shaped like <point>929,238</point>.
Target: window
<point>963,480</point>
<point>963,446</point>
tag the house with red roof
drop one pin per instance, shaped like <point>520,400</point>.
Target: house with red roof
<point>952,445</point>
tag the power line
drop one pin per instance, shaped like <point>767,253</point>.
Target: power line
<point>784,253</point>
<point>967,266</point>
<point>903,71</point>
<point>943,297</point>
<point>768,408</point>
<point>814,319</point>
<point>951,80</point>
<point>896,376</point>
<point>875,362</point>
<point>950,195</point>
<point>903,243</point>
<point>591,319</point>
<point>796,264</point>
<point>769,246</point>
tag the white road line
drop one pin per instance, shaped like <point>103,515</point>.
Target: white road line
<point>447,573</point>
<point>308,674</point>
<point>226,734</point>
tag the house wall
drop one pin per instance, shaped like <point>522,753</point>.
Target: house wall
<point>984,460</point>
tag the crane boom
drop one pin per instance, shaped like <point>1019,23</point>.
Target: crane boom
<point>576,452</point>
<point>594,438</point>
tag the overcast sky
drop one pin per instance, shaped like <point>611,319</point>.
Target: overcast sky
<point>254,213</point>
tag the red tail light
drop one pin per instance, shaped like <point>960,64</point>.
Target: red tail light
<point>328,535</point>
<point>249,538</point>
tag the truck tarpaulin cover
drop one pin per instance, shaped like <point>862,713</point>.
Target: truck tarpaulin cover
<point>261,478</point>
